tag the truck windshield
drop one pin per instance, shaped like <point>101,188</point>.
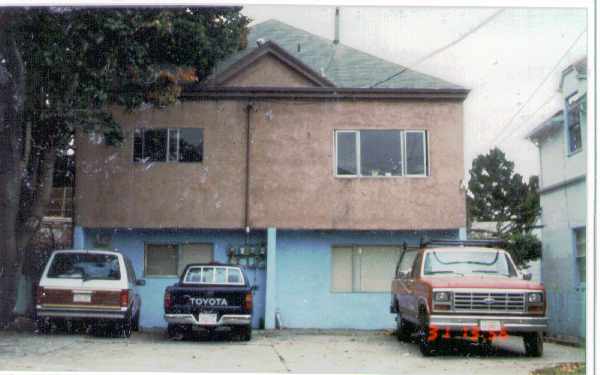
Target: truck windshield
<point>461,263</point>
<point>85,266</point>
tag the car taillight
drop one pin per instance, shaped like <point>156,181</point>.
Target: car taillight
<point>41,293</point>
<point>124,298</point>
<point>248,302</point>
<point>168,300</point>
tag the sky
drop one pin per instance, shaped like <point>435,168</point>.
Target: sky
<point>511,64</point>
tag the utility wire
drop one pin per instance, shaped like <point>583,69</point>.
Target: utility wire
<point>441,49</point>
<point>501,136</point>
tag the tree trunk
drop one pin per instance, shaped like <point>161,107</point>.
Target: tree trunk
<point>12,78</point>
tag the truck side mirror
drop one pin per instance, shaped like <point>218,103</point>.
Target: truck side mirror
<point>527,276</point>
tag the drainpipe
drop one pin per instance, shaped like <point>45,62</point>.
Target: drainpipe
<point>249,107</point>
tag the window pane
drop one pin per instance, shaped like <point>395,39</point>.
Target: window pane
<point>193,275</point>
<point>207,275</point>
<point>155,144</point>
<point>346,154</point>
<point>173,144</point>
<point>220,275</point>
<point>581,269</point>
<point>377,266</point>
<point>380,153</point>
<point>161,260</point>
<point>234,276</point>
<point>415,153</point>
<point>407,261</point>
<point>138,144</point>
<point>78,266</point>
<point>195,253</point>
<point>341,269</point>
<point>190,145</point>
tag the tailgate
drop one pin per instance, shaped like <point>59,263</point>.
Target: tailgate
<point>214,300</point>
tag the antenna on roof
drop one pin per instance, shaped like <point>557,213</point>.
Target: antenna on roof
<point>336,38</point>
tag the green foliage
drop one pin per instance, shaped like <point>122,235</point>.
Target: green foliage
<point>523,247</point>
<point>79,60</point>
<point>498,194</point>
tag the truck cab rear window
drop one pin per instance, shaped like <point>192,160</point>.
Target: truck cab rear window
<point>85,266</point>
<point>214,275</point>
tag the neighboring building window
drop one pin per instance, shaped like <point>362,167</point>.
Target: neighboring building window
<point>171,259</point>
<point>579,237</point>
<point>363,268</point>
<point>381,153</point>
<point>171,145</point>
<point>574,127</point>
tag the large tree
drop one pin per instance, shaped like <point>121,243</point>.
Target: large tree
<point>498,194</point>
<point>59,70</point>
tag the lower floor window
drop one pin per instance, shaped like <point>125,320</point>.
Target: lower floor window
<point>363,268</point>
<point>171,259</point>
<point>579,236</point>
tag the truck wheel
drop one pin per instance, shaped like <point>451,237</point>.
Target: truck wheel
<point>245,333</point>
<point>534,344</point>
<point>426,346</point>
<point>43,326</point>
<point>174,331</point>
<point>403,329</point>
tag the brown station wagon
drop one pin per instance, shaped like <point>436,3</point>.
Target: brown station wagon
<point>469,291</point>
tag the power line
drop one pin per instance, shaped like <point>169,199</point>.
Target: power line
<point>506,126</point>
<point>441,49</point>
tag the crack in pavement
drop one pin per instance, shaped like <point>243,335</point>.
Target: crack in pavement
<point>281,359</point>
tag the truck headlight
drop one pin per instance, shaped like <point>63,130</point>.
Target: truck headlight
<point>441,296</point>
<point>535,298</point>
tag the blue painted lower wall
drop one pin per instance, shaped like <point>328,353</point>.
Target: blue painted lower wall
<point>304,296</point>
<point>302,291</point>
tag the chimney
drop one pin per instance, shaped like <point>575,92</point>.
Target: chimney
<point>336,38</point>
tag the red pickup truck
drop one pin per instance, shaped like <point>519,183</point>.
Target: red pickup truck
<point>470,291</point>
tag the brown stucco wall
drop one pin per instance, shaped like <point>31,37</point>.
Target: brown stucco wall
<point>268,71</point>
<point>291,165</point>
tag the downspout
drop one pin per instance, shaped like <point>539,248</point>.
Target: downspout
<point>249,107</point>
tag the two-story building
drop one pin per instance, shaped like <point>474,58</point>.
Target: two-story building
<point>305,160</point>
<point>561,141</point>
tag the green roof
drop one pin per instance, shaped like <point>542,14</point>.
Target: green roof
<point>344,66</point>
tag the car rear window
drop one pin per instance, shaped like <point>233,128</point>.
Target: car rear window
<point>214,275</point>
<point>85,266</point>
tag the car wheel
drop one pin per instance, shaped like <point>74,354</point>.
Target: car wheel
<point>426,346</point>
<point>245,333</point>
<point>534,344</point>
<point>43,326</point>
<point>136,322</point>
<point>174,331</point>
<point>403,329</point>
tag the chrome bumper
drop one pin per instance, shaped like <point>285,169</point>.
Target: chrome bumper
<point>510,323</point>
<point>79,313</point>
<point>225,320</point>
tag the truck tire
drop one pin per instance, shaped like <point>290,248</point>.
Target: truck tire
<point>426,347</point>
<point>403,329</point>
<point>43,326</point>
<point>534,344</point>
<point>245,333</point>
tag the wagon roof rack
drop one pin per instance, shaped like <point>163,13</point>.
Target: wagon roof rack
<point>480,243</point>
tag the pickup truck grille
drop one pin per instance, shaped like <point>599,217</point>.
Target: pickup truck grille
<point>489,302</point>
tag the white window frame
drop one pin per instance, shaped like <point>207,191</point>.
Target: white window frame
<point>402,133</point>
<point>168,145</point>
<point>241,282</point>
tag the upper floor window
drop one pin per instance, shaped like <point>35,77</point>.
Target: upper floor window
<point>579,242</point>
<point>381,153</point>
<point>574,126</point>
<point>168,145</point>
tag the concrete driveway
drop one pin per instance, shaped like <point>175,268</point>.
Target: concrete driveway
<point>276,351</point>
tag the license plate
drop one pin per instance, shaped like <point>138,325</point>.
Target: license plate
<point>490,325</point>
<point>208,319</point>
<point>85,298</point>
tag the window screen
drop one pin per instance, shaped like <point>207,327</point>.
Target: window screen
<point>161,260</point>
<point>415,153</point>
<point>363,268</point>
<point>346,153</point>
<point>194,253</point>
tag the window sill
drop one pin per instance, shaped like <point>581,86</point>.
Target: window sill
<point>379,177</point>
<point>569,154</point>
